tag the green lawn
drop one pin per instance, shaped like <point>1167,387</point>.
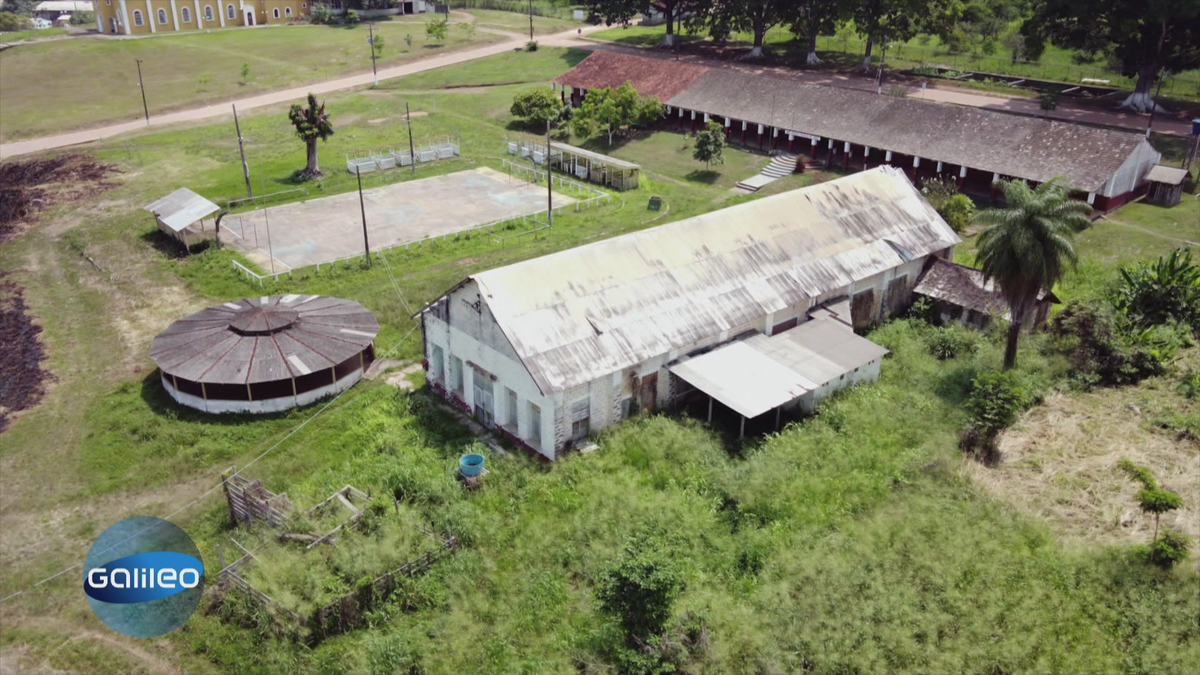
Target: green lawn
<point>519,23</point>
<point>32,34</point>
<point>82,82</point>
<point>849,542</point>
<point>510,68</point>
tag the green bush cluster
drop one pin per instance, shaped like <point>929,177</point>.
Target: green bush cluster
<point>952,341</point>
<point>995,401</point>
<point>1162,292</point>
<point>1171,548</point>
<point>1107,349</point>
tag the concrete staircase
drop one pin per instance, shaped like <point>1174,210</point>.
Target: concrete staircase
<point>779,166</point>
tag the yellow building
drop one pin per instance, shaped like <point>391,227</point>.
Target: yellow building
<point>142,17</point>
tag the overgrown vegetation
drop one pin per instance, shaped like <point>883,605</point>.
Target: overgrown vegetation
<point>1172,547</point>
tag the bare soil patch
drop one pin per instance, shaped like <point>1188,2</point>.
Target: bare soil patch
<point>29,186</point>
<point>1060,462</point>
<point>21,354</point>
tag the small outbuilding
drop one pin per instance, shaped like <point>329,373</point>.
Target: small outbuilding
<point>264,355</point>
<point>180,215</point>
<point>960,293</point>
<point>1165,185</point>
<point>594,167</point>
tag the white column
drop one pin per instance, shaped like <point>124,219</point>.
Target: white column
<point>916,162</point>
<point>831,144</point>
<point>174,15</point>
<point>760,128</point>
<point>199,16</point>
<point>124,18</point>
<point>962,172</point>
<point>866,151</point>
<point>100,24</point>
<point>888,156</point>
<point>693,114</point>
<point>846,147</point>
<point>706,118</point>
<point>939,169</point>
<point>727,122</point>
<point>221,13</point>
<point>150,17</point>
<point>814,143</point>
<point>743,125</point>
<point>681,112</point>
<point>1091,198</point>
<point>995,178</point>
<point>774,132</point>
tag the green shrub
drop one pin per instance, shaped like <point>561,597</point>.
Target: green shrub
<point>957,212</point>
<point>640,588</point>
<point>1189,385</point>
<point>321,14</point>
<point>531,46</point>
<point>1162,291</point>
<point>350,17</point>
<point>10,22</point>
<point>951,341</point>
<point>536,107</point>
<point>83,19</point>
<point>1105,349</point>
<point>996,399</point>
<point>1168,550</point>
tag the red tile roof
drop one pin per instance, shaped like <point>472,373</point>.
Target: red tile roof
<point>661,78</point>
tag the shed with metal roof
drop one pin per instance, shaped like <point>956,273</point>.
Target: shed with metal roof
<point>180,215</point>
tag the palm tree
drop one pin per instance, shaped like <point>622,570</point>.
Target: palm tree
<point>312,123</point>
<point>1026,246</point>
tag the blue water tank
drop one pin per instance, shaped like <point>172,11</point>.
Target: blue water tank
<point>471,465</point>
<point>1196,127</point>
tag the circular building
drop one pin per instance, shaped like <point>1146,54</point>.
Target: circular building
<point>265,354</point>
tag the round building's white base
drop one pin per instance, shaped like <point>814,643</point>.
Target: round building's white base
<point>270,405</point>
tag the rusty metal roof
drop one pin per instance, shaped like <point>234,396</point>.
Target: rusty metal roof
<point>965,287</point>
<point>587,312</point>
<point>649,76</point>
<point>996,142</point>
<point>264,339</point>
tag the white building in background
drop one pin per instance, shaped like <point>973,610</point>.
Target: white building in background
<point>552,349</point>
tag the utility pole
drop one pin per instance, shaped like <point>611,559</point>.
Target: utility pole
<point>363,208</point>
<point>262,188</point>
<point>371,44</point>
<point>411,152</point>
<point>531,20</point>
<point>242,149</point>
<point>142,86</point>
<point>1162,75</point>
<point>549,182</point>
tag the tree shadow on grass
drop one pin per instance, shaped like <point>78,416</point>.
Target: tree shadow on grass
<point>706,176</point>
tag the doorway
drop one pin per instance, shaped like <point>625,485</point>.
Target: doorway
<point>249,17</point>
<point>112,25</point>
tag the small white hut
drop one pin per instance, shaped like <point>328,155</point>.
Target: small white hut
<point>180,215</point>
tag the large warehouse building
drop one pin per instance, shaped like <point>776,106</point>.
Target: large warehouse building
<point>857,129</point>
<point>551,349</point>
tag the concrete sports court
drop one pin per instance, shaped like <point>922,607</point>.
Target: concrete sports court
<point>321,230</point>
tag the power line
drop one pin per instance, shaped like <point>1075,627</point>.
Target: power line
<point>216,487</point>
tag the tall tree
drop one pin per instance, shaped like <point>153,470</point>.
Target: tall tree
<point>752,16</point>
<point>614,109</point>
<point>1146,35</point>
<point>1026,247</point>
<point>622,12</point>
<point>811,18</point>
<point>312,124</point>
<point>882,21</point>
<point>710,144</point>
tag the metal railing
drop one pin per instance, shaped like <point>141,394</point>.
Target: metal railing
<point>262,199</point>
<point>381,160</point>
<point>538,175</point>
<point>251,275</point>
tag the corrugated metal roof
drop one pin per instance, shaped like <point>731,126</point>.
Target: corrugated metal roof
<point>756,375</point>
<point>64,6</point>
<point>594,156</point>
<point>181,208</point>
<point>1166,174</point>
<point>264,339</point>
<point>587,312</point>
<point>965,287</point>
<point>650,77</point>
<point>1011,145</point>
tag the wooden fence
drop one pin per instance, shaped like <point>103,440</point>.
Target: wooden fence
<point>346,613</point>
<point>249,500</point>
